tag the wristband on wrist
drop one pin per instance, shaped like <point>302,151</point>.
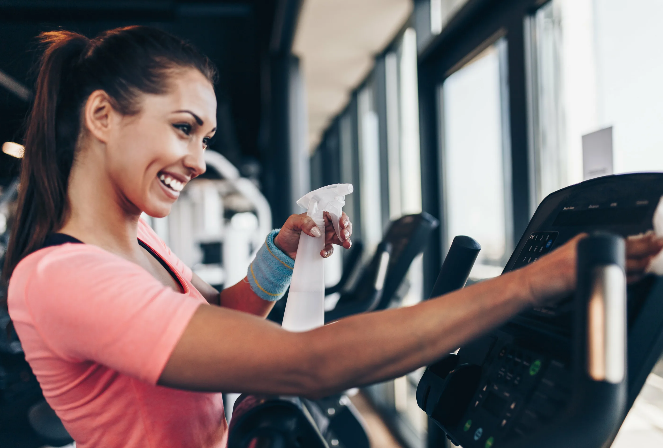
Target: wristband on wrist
<point>270,272</point>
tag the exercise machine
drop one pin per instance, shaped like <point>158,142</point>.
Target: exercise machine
<point>563,375</point>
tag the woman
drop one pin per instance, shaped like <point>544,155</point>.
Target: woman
<point>131,348</point>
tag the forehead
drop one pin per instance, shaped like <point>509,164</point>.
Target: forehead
<point>187,90</point>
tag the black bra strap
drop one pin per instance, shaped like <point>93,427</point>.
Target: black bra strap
<point>55,239</point>
<point>162,262</point>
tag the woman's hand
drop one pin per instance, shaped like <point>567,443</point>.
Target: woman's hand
<point>554,276</point>
<point>288,238</point>
<point>640,249</point>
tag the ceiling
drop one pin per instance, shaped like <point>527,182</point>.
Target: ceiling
<point>337,41</point>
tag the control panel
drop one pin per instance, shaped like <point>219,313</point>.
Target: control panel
<point>519,380</point>
<point>538,244</point>
<point>520,391</point>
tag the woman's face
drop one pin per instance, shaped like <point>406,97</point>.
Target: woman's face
<point>152,155</point>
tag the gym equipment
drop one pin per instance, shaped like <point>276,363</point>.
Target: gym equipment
<point>287,422</point>
<point>557,376</point>
<point>407,237</point>
<point>350,263</point>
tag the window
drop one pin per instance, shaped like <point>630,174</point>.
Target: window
<point>585,76</point>
<point>475,158</point>
<point>369,163</point>
<point>441,11</point>
<point>593,65</point>
<point>349,171</point>
<point>390,101</point>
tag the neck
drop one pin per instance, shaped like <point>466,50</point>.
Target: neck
<point>97,214</point>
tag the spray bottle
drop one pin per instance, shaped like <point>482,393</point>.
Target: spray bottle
<point>305,309</point>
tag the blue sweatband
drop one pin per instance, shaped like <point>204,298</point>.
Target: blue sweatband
<point>270,272</point>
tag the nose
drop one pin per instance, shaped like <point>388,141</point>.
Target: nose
<point>195,162</point>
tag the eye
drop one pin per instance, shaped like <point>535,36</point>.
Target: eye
<point>185,128</point>
<point>206,142</point>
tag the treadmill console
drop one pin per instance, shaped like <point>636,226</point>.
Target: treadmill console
<point>519,380</point>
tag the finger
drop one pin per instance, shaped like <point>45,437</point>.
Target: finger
<point>329,223</point>
<point>640,246</point>
<point>327,251</point>
<point>637,265</point>
<point>308,226</point>
<point>346,232</point>
<point>344,221</point>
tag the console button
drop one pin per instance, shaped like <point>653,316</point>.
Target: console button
<point>543,405</point>
<point>557,372</point>
<point>520,431</point>
<point>518,357</point>
<point>535,367</point>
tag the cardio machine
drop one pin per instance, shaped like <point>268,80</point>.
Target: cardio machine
<point>559,376</point>
<point>564,375</point>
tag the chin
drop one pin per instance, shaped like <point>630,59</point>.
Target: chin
<point>157,210</point>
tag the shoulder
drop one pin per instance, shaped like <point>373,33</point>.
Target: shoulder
<point>67,267</point>
<point>61,258</point>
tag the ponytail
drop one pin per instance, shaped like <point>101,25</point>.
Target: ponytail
<point>49,154</point>
<point>123,62</point>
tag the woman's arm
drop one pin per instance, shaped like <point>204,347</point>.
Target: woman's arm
<point>238,297</point>
<point>241,297</point>
<point>260,357</point>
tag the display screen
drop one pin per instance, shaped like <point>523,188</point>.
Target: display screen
<point>602,216</point>
<point>494,404</point>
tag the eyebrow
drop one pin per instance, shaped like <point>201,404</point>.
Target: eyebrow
<point>196,117</point>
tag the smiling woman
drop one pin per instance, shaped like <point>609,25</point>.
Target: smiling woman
<point>101,95</point>
<point>118,128</point>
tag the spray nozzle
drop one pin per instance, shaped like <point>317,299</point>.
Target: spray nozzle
<point>330,199</point>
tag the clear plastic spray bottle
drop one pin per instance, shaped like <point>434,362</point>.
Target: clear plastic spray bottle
<point>305,309</point>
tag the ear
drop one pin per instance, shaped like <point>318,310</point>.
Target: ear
<point>98,114</point>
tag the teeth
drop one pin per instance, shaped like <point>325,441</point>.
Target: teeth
<point>174,184</point>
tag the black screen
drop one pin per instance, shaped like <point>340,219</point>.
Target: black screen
<point>601,216</point>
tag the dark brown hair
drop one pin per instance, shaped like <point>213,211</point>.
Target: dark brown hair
<point>123,62</point>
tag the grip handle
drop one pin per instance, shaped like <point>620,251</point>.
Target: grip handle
<point>457,265</point>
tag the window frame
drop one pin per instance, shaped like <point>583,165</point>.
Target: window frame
<point>474,27</point>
